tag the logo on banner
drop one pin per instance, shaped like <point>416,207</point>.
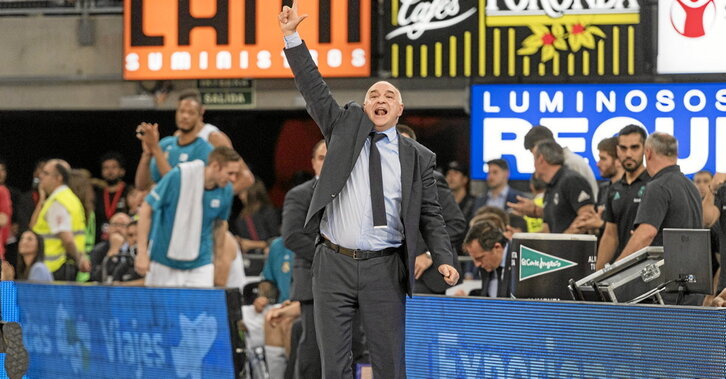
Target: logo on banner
<point>533,263</point>
<point>416,17</point>
<point>73,339</point>
<point>693,18</point>
<point>196,340</point>
<point>212,39</point>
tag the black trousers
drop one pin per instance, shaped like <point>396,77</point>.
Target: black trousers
<point>374,287</point>
<point>67,272</point>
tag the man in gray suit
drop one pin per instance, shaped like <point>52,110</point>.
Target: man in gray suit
<point>294,210</point>
<point>376,190</point>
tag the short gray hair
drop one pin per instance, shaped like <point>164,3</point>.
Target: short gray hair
<point>551,151</point>
<point>663,144</point>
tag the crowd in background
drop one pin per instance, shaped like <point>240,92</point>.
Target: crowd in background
<point>96,238</point>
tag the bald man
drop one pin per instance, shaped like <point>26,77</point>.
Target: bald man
<point>367,209</point>
<point>61,220</point>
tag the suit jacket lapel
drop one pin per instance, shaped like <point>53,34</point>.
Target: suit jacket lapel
<point>406,156</point>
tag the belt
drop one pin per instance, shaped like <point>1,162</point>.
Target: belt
<point>360,254</point>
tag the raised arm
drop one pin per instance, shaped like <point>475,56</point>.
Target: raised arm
<point>320,104</point>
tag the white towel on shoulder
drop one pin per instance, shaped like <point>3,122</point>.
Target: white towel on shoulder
<point>187,232</point>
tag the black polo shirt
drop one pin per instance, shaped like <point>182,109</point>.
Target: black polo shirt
<point>621,206</point>
<point>720,202</point>
<point>567,192</point>
<point>670,201</point>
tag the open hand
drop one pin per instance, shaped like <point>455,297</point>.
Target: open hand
<point>289,19</point>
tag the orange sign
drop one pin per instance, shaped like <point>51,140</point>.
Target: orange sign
<point>214,39</point>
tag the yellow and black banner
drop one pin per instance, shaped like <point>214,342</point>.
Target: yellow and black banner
<point>513,38</point>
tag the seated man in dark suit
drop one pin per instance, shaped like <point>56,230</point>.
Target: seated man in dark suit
<point>489,249</point>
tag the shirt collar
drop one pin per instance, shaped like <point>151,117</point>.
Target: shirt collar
<point>557,176</point>
<point>504,256</point>
<point>502,193</point>
<point>666,170</point>
<point>60,188</point>
<point>390,133</point>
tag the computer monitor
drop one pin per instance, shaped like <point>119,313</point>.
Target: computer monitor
<point>687,255</point>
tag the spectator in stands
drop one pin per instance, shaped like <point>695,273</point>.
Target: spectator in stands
<point>6,210</point>
<point>624,196</point>
<point>573,161</point>
<point>457,177</point>
<point>119,268</point>
<point>113,245</point>
<point>134,200</point>
<point>498,191</point>
<point>670,199</point>
<point>60,219</point>
<point>568,195</point>
<point>489,249</point>
<point>23,211</point>
<point>111,197</point>
<point>258,221</point>
<point>720,202</point>
<point>182,246</point>
<point>537,187</point>
<point>702,180</point>
<point>31,266</point>
<point>517,224</point>
<point>80,184</point>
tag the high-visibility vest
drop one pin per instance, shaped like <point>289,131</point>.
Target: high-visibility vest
<point>55,253</point>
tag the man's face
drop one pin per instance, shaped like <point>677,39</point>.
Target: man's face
<point>538,164</point>
<point>607,165</point>
<point>188,115</point>
<point>227,173</point>
<point>50,179</point>
<point>131,234</point>
<point>111,170</point>
<point>630,151</point>
<point>319,158</point>
<point>488,260</point>
<point>456,180</point>
<point>119,224</point>
<point>497,177</point>
<point>383,105</point>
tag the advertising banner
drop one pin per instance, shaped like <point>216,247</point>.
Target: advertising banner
<point>691,36</point>
<point>580,116</point>
<point>217,39</point>
<point>123,332</point>
<point>512,38</point>
<point>459,337</point>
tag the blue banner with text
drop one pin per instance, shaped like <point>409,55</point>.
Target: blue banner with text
<point>123,332</point>
<point>580,116</point>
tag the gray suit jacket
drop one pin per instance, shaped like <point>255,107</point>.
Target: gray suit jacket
<point>294,211</point>
<point>345,130</point>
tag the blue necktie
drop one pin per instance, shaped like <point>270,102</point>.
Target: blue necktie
<point>378,205</point>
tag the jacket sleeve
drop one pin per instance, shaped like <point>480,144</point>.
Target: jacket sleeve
<point>431,222</point>
<point>320,103</point>
<point>294,210</point>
